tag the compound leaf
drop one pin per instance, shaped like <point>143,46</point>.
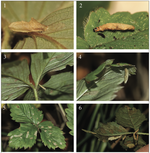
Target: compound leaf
<point>25,136</point>
<point>51,135</point>
<point>26,113</point>
<point>49,62</point>
<point>130,117</point>
<point>106,84</point>
<point>70,117</point>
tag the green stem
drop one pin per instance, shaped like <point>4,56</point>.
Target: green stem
<point>35,94</point>
<point>142,133</point>
<point>116,134</point>
<point>63,113</point>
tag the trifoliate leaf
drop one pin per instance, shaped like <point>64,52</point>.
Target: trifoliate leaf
<point>104,81</point>
<point>25,136</point>
<point>130,117</point>
<point>70,117</point>
<point>51,136</point>
<point>26,113</point>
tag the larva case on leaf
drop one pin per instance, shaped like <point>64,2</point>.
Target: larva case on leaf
<point>114,26</point>
<point>32,26</point>
<point>126,75</point>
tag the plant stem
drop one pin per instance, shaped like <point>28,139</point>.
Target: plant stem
<point>63,113</point>
<point>35,94</point>
<point>142,133</point>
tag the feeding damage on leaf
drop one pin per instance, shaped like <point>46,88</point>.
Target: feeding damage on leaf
<point>25,27</point>
<point>126,117</point>
<point>114,26</point>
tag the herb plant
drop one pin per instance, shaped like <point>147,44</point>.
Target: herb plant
<point>129,128</point>
<point>103,83</point>
<point>20,79</point>
<point>34,129</point>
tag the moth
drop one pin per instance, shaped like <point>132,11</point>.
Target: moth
<point>114,138</point>
<point>25,27</point>
<point>114,26</point>
<point>126,75</point>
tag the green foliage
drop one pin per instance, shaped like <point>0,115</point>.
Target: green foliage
<point>137,39</point>
<point>70,117</point>
<point>15,78</point>
<point>58,16</point>
<point>83,9</point>
<point>103,83</point>
<point>130,117</point>
<point>112,130</point>
<point>26,135</point>
<point>93,75</point>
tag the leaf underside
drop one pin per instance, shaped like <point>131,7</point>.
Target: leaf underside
<point>109,130</point>
<point>58,16</point>
<point>15,77</point>
<point>107,84</point>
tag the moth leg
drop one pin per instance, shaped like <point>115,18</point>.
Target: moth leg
<point>135,138</point>
<point>124,137</point>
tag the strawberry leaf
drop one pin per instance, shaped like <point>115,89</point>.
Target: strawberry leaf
<point>108,131</point>
<point>70,117</point>
<point>51,135</point>
<point>26,113</point>
<point>25,136</point>
<point>130,117</point>
<point>15,79</point>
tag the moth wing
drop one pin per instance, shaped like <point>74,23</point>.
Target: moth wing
<point>37,26</point>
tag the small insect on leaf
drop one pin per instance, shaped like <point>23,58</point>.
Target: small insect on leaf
<point>114,26</point>
<point>25,27</point>
<point>126,75</point>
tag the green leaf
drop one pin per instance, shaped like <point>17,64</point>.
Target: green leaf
<point>129,142</point>
<point>130,117</point>
<point>51,135</point>
<point>25,136</point>
<point>70,117</point>
<point>140,144</point>
<point>38,65</point>
<point>137,39</point>
<point>26,113</point>
<point>59,87</point>
<point>106,85</point>
<point>58,61</point>
<point>58,16</point>
<point>82,44</point>
<point>15,79</point>
<point>93,75</point>
<point>108,131</point>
